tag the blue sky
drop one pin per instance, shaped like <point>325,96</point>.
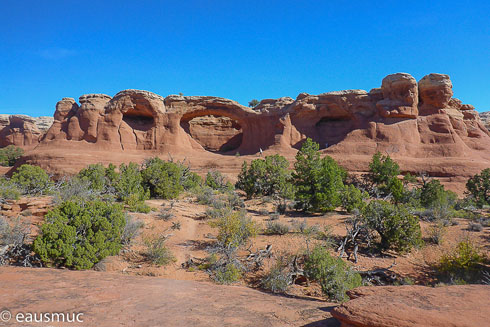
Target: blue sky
<point>235,49</point>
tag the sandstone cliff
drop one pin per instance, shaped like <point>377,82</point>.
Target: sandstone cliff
<point>418,123</point>
<point>22,130</point>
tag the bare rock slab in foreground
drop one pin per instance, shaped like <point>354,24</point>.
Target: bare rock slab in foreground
<point>411,306</point>
<point>108,299</point>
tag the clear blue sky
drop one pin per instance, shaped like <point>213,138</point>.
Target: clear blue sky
<point>235,49</point>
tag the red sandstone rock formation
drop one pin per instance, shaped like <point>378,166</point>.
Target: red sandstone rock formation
<point>22,130</point>
<point>419,124</point>
<point>415,306</point>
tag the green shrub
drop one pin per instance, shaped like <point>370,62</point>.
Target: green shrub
<point>412,197</point>
<point>138,206</point>
<point>303,228</point>
<point>479,187</point>
<point>263,212</point>
<point>278,279</point>
<point>157,252</point>
<point>318,181</point>
<point>97,176</point>
<point>436,233</point>
<point>189,179</point>
<point>10,154</point>
<point>227,274</point>
<point>216,181</point>
<point>13,242</point>
<point>253,103</point>
<point>162,178</point>
<point>234,200</point>
<point>264,176</point>
<point>80,235</point>
<point>396,188</point>
<point>382,169</point>
<point>353,198</point>
<point>8,190</point>
<point>165,214</point>
<point>439,202</point>
<point>383,175</point>
<point>327,237</point>
<point>462,263</point>
<point>14,233</point>
<point>128,185</point>
<point>32,180</point>
<point>234,229</point>
<point>333,274</point>
<point>215,213</point>
<point>284,194</point>
<point>206,195</point>
<point>274,216</point>
<point>276,228</point>
<point>397,227</point>
<point>78,190</point>
<point>131,230</point>
<point>433,195</point>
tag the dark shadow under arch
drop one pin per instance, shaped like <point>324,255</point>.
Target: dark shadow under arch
<point>140,121</point>
<point>327,131</point>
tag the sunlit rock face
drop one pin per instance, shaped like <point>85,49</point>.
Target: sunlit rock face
<point>400,96</point>
<point>420,124</point>
<point>22,130</point>
<point>435,91</point>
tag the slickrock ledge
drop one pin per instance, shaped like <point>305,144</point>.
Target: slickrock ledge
<point>416,306</point>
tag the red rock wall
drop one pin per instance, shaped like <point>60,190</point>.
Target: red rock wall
<point>419,124</point>
<point>22,130</point>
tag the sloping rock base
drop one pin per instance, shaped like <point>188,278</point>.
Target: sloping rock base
<point>108,299</point>
<point>416,306</point>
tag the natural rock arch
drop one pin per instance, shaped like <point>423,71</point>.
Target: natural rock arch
<point>213,130</point>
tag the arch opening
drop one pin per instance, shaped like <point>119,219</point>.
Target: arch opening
<point>328,131</point>
<point>141,121</point>
<point>215,133</point>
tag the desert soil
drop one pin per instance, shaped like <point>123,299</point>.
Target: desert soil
<point>130,291</point>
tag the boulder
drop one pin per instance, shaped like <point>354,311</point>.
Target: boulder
<point>435,91</point>
<point>400,96</point>
<point>64,108</point>
<point>416,306</point>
